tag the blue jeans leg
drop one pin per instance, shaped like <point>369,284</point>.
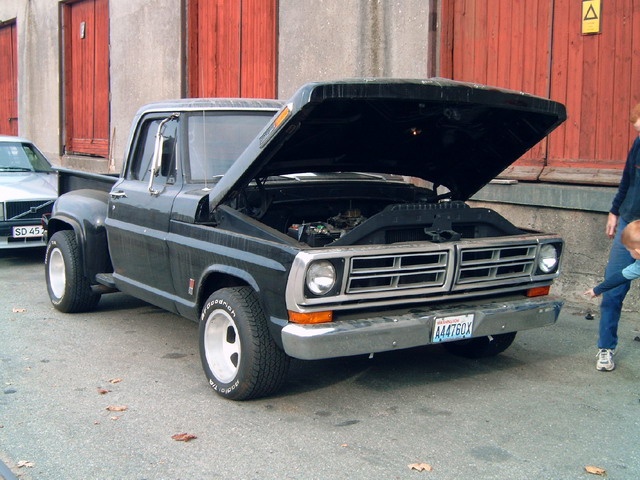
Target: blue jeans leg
<point>611,305</point>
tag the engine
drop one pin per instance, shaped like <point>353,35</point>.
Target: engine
<point>318,234</point>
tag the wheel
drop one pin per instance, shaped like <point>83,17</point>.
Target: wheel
<point>69,290</point>
<point>239,357</point>
<point>481,346</point>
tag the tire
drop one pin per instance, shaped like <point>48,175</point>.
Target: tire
<point>482,346</point>
<point>69,290</point>
<point>239,357</point>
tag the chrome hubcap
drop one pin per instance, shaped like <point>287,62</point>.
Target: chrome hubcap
<point>57,276</point>
<point>222,345</point>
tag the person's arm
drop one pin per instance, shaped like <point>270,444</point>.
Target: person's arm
<point>612,282</point>
<point>614,213</point>
<point>612,225</point>
<point>629,273</point>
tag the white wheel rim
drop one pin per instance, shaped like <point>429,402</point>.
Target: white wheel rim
<point>222,345</point>
<point>57,277</point>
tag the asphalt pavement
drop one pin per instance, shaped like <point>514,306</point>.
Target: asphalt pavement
<point>100,396</point>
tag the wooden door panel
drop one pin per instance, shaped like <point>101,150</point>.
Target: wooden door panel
<point>87,77</point>
<point>537,46</point>
<point>503,44</point>
<point>258,54</point>
<point>232,48</point>
<point>8,79</point>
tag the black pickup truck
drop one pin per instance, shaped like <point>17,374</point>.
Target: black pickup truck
<point>331,225</point>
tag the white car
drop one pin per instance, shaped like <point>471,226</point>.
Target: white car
<point>28,188</point>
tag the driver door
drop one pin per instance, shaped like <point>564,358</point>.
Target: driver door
<point>139,212</point>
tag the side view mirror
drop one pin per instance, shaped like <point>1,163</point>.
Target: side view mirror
<point>157,160</point>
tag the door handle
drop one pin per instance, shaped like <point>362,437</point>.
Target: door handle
<point>118,194</point>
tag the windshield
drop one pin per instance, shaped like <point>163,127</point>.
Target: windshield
<point>216,140</point>
<point>22,157</point>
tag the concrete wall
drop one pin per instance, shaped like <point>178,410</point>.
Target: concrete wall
<point>335,39</point>
<point>146,61</point>
<point>38,70</point>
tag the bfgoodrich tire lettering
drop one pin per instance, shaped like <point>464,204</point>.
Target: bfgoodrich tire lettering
<point>68,289</point>
<point>481,346</point>
<point>239,357</point>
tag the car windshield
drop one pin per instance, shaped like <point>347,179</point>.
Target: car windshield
<point>217,139</point>
<point>22,157</point>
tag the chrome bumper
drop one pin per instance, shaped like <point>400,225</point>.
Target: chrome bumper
<point>30,242</point>
<point>358,334</point>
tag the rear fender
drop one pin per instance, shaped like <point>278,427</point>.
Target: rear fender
<point>84,212</point>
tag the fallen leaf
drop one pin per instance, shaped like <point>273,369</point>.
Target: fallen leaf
<point>115,380</point>
<point>117,408</point>
<point>115,418</point>
<point>183,437</point>
<point>344,445</point>
<point>24,463</point>
<point>595,470</point>
<point>19,310</point>
<point>103,391</point>
<point>421,467</point>
<point>96,423</point>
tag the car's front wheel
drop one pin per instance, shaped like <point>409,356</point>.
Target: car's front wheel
<point>69,290</point>
<point>239,357</point>
<point>481,346</point>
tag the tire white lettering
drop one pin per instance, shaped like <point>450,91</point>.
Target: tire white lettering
<point>224,391</point>
<point>219,303</point>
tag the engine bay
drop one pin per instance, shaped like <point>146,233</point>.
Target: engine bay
<point>331,214</point>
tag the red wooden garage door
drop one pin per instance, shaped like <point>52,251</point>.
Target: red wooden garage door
<point>86,35</point>
<point>8,79</point>
<point>537,46</point>
<point>232,48</point>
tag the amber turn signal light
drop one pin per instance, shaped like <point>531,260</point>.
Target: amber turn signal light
<point>282,116</point>
<point>314,317</point>
<point>538,291</point>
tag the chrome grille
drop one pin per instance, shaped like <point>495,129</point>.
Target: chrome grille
<point>381,273</point>
<point>495,263</point>
<point>28,210</point>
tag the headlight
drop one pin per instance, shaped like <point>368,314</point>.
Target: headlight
<point>321,277</point>
<point>548,258</point>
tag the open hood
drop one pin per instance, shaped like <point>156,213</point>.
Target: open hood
<point>454,134</point>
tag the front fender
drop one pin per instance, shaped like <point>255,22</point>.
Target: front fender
<point>84,211</point>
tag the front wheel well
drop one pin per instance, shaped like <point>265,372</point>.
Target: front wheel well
<point>215,281</point>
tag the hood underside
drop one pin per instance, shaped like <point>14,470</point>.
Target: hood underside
<point>453,134</point>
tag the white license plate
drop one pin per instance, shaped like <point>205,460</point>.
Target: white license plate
<point>24,232</point>
<point>456,327</point>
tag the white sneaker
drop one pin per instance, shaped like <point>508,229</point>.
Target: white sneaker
<point>605,360</point>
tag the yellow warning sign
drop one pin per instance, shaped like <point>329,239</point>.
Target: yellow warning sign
<point>590,17</point>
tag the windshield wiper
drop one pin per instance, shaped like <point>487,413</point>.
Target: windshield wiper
<point>15,169</point>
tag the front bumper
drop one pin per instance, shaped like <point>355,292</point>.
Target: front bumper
<point>7,240</point>
<point>358,334</point>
